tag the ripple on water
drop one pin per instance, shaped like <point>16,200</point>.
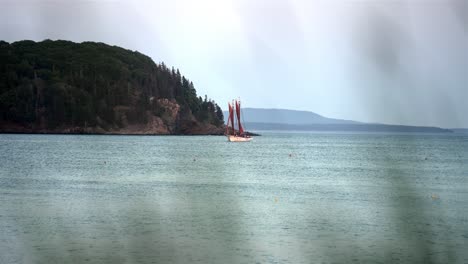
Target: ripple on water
<point>283,198</point>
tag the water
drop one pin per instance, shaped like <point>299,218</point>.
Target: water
<point>283,198</point>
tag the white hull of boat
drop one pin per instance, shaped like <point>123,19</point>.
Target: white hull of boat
<point>239,139</point>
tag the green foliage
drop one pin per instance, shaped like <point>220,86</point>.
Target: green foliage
<point>71,84</point>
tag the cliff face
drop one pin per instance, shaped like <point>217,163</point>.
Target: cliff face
<point>174,123</point>
<point>65,87</point>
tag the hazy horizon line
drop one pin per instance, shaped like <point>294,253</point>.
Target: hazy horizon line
<point>358,121</point>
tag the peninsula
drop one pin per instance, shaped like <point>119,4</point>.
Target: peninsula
<point>94,88</point>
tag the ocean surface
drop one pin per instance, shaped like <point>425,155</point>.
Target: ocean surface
<point>282,198</point>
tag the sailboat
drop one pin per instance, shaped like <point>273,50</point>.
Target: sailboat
<point>231,133</point>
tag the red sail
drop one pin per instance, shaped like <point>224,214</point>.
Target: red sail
<point>241,130</point>
<point>231,117</point>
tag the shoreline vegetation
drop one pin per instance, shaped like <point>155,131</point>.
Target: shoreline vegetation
<point>116,134</point>
<point>94,88</point>
<point>104,134</point>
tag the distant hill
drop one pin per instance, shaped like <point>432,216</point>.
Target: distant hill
<point>285,116</point>
<point>292,120</point>
<point>361,127</point>
<point>66,87</point>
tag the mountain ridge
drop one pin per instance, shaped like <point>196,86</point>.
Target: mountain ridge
<point>287,116</point>
<point>258,119</point>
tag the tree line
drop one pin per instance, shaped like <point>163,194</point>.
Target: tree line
<point>62,83</point>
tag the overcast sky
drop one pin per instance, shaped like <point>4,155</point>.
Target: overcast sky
<point>397,62</point>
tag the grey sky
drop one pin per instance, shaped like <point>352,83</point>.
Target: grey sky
<point>398,62</point>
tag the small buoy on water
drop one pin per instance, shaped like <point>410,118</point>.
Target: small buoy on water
<point>290,155</point>
<point>276,199</point>
<point>434,197</point>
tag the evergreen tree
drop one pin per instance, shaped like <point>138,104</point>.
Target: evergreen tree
<point>71,84</point>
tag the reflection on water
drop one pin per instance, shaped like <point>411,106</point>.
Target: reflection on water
<point>283,198</point>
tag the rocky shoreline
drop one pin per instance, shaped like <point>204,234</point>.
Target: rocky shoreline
<point>132,130</point>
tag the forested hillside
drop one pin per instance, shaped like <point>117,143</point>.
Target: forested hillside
<point>67,87</point>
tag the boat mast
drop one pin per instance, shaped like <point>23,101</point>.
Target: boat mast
<point>241,130</point>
